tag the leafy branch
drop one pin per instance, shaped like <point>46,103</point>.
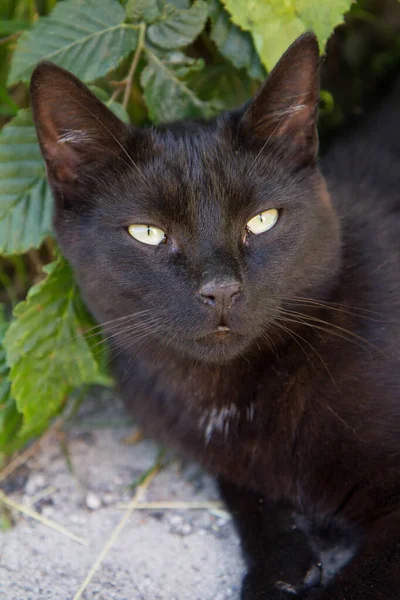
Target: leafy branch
<point>135,62</point>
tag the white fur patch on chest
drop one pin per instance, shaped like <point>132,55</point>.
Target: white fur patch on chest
<point>219,420</point>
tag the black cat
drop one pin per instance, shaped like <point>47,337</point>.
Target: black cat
<point>252,307</point>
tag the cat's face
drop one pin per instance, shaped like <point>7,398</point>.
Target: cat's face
<point>164,224</point>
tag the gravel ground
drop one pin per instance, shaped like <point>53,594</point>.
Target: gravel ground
<point>79,480</point>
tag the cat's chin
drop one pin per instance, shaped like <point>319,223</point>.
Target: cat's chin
<point>218,347</point>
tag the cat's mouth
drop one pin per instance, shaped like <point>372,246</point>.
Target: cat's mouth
<point>221,339</point>
<point>218,345</point>
<point>222,331</point>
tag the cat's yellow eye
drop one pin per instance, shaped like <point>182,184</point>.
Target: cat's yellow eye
<point>263,221</point>
<point>147,234</point>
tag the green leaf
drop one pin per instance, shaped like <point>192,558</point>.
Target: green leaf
<point>225,84</point>
<point>275,24</point>
<point>25,198</point>
<point>8,27</point>
<point>233,43</point>
<point>88,38</point>
<point>116,107</point>
<point>181,4</point>
<point>46,351</point>
<point>178,28</point>
<point>167,95</point>
<point>148,10</point>
<point>10,419</point>
<point>8,107</point>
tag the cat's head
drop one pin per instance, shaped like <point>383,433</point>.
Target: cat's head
<point>200,231</point>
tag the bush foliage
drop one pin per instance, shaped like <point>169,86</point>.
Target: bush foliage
<point>149,61</point>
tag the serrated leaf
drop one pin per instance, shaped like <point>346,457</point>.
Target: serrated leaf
<point>10,418</point>
<point>147,10</point>
<point>86,37</point>
<point>167,95</point>
<point>46,352</point>
<point>10,421</point>
<point>233,43</point>
<point>275,24</point>
<point>25,198</point>
<point>177,28</point>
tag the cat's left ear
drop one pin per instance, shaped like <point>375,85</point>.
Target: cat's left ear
<point>285,109</point>
<point>74,128</point>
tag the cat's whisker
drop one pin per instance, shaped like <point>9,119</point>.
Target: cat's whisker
<point>269,341</point>
<point>164,346</point>
<point>281,141</point>
<point>120,328</point>
<point>332,328</point>
<point>250,169</point>
<point>109,151</point>
<point>98,328</point>
<point>116,140</point>
<point>293,333</point>
<point>299,321</point>
<point>150,332</point>
<point>137,328</point>
<point>131,359</point>
<point>335,307</point>
<point>142,346</point>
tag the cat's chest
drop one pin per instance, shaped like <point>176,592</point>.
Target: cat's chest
<point>241,425</point>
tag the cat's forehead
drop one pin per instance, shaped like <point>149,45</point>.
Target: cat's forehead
<point>199,178</point>
<point>190,152</point>
<point>196,172</point>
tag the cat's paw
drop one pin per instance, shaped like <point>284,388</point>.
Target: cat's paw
<point>257,587</point>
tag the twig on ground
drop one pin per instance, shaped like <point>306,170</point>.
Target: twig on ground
<point>133,438</point>
<point>63,443</point>
<point>48,491</point>
<point>142,478</point>
<point>167,505</point>
<point>25,510</point>
<point>116,532</point>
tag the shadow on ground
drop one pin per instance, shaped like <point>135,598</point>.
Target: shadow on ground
<point>79,481</point>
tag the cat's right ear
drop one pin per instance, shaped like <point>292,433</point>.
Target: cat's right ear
<point>74,128</point>
<point>285,109</point>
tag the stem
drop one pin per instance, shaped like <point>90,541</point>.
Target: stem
<point>114,95</point>
<point>134,64</point>
<point>10,37</point>
<point>36,262</point>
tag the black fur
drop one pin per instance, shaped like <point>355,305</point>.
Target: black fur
<point>295,407</point>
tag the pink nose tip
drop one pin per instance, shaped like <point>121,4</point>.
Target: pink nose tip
<point>220,294</point>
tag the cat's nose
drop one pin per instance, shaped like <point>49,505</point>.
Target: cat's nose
<point>220,293</point>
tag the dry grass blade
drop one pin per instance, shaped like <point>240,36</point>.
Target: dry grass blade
<point>133,438</point>
<point>48,491</point>
<point>166,505</point>
<point>116,532</point>
<point>25,510</point>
